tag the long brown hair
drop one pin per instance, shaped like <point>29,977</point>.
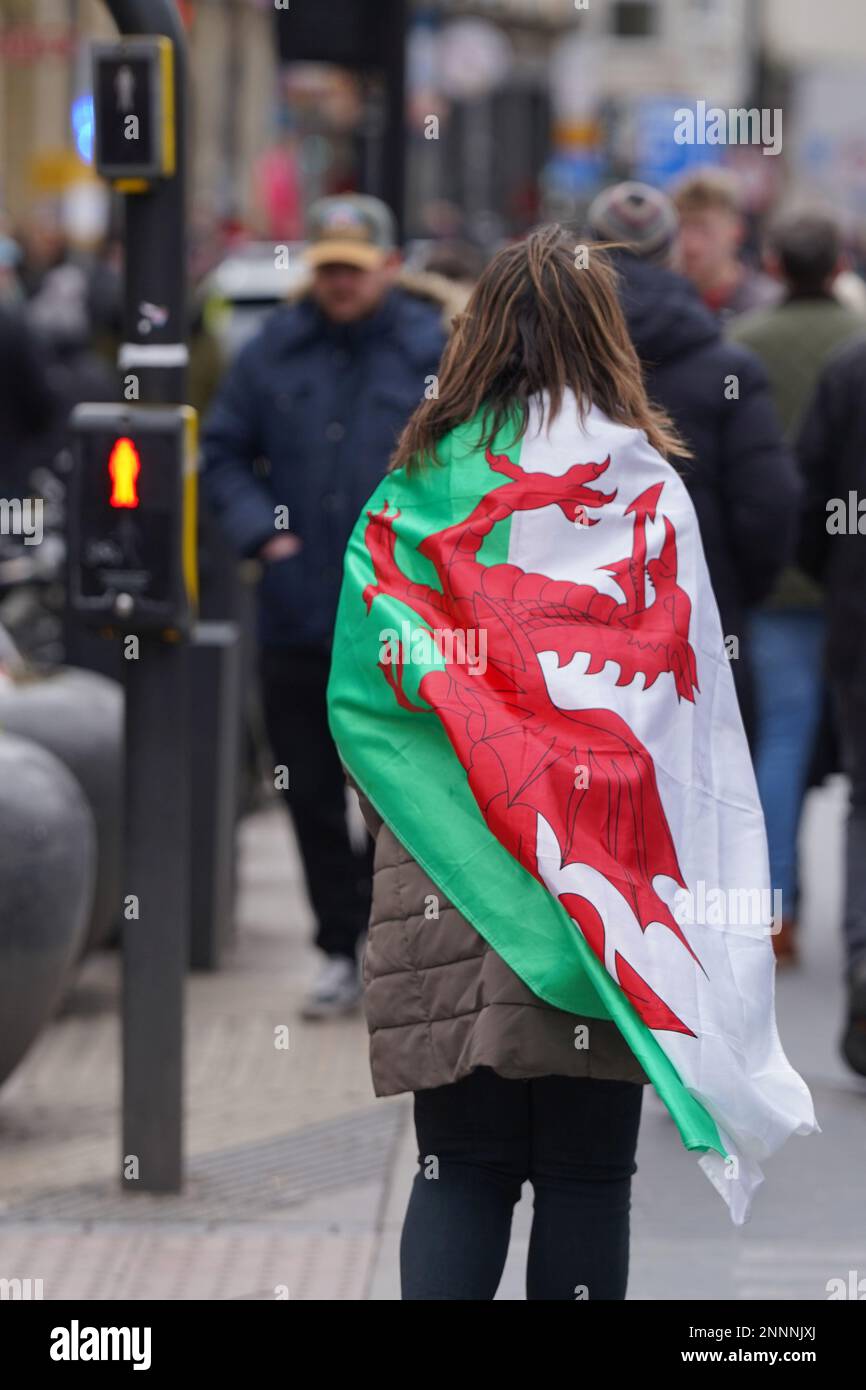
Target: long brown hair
<point>541,318</point>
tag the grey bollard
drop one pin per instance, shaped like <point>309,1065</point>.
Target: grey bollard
<point>78,716</point>
<point>47,869</point>
<point>215,739</point>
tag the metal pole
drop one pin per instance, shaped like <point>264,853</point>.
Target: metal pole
<point>393,33</point>
<point>233,70</point>
<point>154,318</point>
<point>155,949</point>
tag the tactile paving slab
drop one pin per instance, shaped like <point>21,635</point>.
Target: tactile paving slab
<point>270,1178</point>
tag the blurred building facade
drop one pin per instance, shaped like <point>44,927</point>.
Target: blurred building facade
<point>45,121</point>
<point>821,52</point>
<point>516,108</point>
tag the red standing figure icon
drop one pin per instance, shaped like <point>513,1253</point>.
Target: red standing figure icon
<point>124,467</point>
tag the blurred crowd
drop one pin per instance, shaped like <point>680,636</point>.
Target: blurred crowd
<point>735,332</point>
<point>751,337</point>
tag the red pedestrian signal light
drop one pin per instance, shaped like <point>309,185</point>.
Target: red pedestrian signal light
<point>124,466</point>
<point>131,509</point>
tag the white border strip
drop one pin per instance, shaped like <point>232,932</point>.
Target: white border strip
<point>152,355</point>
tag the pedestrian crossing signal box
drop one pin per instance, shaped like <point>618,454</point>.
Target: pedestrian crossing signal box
<point>133,110</point>
<point>132,517</point>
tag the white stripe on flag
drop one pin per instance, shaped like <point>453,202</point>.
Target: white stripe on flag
<point>735,1064</point>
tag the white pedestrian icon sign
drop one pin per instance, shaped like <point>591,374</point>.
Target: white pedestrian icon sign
<point>124,86</point>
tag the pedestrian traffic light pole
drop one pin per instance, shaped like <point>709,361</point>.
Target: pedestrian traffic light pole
<point>154,310</point>
<point>153,361</point>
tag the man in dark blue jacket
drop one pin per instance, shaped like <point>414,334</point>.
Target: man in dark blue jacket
<point>297,440</point>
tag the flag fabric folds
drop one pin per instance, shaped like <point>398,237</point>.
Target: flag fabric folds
<point>531,685</point>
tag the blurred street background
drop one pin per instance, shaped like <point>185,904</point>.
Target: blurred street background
<point>509,112</point>
<point>538,104</point>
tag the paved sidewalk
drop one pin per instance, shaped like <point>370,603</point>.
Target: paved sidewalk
<point>298,1176</point>
<point>289,1152</point>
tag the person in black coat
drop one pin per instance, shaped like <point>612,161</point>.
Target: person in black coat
<point>742,479</point>
<point>832,448</point>
<point>297,439</point>
<point>29,406</point>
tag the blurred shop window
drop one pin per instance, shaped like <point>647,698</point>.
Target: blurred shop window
<point>635,19</point>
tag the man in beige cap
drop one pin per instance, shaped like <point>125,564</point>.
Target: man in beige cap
<point>347,236</point>
<point>320,395</point>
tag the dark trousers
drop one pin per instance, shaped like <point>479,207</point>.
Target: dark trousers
<point>338,878</point>
<point>851,709</point>
<point>479,1140</point>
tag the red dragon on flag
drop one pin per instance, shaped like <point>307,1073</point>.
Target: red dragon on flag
<point>520,751</point>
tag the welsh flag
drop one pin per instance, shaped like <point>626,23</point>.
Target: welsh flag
<point>530,684</point>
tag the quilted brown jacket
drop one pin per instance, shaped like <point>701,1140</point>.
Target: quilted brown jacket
<point>439,1001</point>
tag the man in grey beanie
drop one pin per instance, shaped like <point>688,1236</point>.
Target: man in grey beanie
<point>742,480</point>
<point>638,216</point>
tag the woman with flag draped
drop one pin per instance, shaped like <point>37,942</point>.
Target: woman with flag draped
<point>530,691</point>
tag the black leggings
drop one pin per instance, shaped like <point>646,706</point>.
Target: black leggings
<point>479,1140</point>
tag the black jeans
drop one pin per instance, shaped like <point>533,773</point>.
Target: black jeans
<point>294,683</point>
<point>479,1140</point>
<point>851,711</point>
